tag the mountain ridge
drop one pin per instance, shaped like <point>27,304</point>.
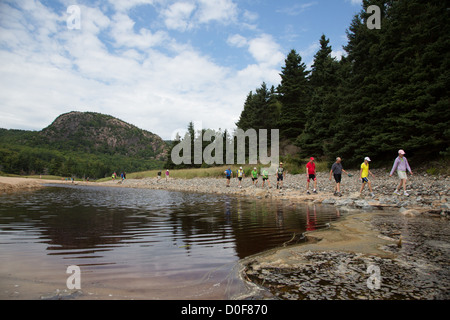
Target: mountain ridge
<point>81,144</point>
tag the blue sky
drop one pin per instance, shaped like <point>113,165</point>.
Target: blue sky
<point>157,64</point>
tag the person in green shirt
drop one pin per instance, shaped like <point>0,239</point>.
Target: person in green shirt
<point>265,177</point>
<point>255,177</point>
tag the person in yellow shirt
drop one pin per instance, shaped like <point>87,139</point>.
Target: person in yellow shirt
<point>240,175</point>
<point>364,174</point>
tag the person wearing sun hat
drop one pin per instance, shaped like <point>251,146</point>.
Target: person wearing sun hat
<point>401,165</point>
<point>364,173</point>
<point>280,176</point>
<point>240,175</point>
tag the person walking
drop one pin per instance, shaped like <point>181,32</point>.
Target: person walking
<point>167,175</point>
<point>255,176</point>
<point>158,177</point>
<point>240,175</point>
<point>265,177</point>
<point>364,174</point>
<point>311,175</point>
<point>336,171</point>
<point>228,175</point>
<point>280,176</point>
<point>401,165</point>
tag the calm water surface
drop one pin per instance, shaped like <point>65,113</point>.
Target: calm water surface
<point>139,244</point>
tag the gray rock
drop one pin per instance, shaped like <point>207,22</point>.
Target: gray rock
<point>329,201</point>
<point>344,202</point>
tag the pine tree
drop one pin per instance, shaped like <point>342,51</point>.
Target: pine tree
<point>260,110</point>
<point>395,95</point>
<point>322,110</point>
<point>293,94</point>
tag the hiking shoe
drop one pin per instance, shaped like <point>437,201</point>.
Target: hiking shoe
<point>314,191</point>
<point>335,193</point>
<point>308,192</point>
<point>339,194</point>
<point>372,194</point>
<point>406,194</point>
<point>396,192</point>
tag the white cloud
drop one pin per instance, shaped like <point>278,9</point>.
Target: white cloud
<point>125,5</point>
<point>237,40</point>
<point>142,76</point>
<point>355,2</point>
<point>178,16</point>
<point>222,11</point>
<point>122,30</point>
<point>338,54</point>
<point>265,50</point>
<point>297,8</point>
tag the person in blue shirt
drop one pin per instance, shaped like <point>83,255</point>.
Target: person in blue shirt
<point>229,175</point>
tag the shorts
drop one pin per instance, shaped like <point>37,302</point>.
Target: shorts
<point>264,179</point>
<point>365,180</point>
<point>312,177</point>
<point>228,177</point>
<point>279,177</point>
<point>402,175</point>
<point>337,177</point>
<point>240,178</point>
<point>253,179</point>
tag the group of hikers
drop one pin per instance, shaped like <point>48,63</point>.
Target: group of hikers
<point>123,176</point>
<point>401,165</point>
<point>240,174</point>
<point>159,175</point>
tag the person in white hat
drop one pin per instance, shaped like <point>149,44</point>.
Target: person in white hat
<point>401,165</point>
<point>364,173</point>
<point>240,175</point>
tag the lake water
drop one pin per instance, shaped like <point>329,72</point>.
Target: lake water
<point>139,243</point>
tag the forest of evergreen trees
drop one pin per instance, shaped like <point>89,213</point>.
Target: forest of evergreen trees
<point>388,92</point>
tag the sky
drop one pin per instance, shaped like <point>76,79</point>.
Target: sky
<point>156,64</point>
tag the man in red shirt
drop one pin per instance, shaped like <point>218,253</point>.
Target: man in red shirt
<point>311,175</point>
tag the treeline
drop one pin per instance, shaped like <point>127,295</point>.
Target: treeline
<point>28,153</point>
<point>31,161</point>
<point>389,92</point>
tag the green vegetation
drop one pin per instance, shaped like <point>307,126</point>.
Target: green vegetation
<point>81,145</point>
<point>389,92</point>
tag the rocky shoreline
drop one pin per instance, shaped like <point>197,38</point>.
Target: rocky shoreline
<point>365,256</point>
<point>427,193</point>
<point>407,239</point>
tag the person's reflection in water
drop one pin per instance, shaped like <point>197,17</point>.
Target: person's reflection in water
<point>227,210</point>
<point>280,216</point>
<point>311,219</point>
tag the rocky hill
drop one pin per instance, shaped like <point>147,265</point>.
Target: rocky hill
<point>81,144</point>
<point>98,133</point>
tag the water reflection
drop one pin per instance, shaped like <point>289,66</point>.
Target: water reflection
<point>147,233</point>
